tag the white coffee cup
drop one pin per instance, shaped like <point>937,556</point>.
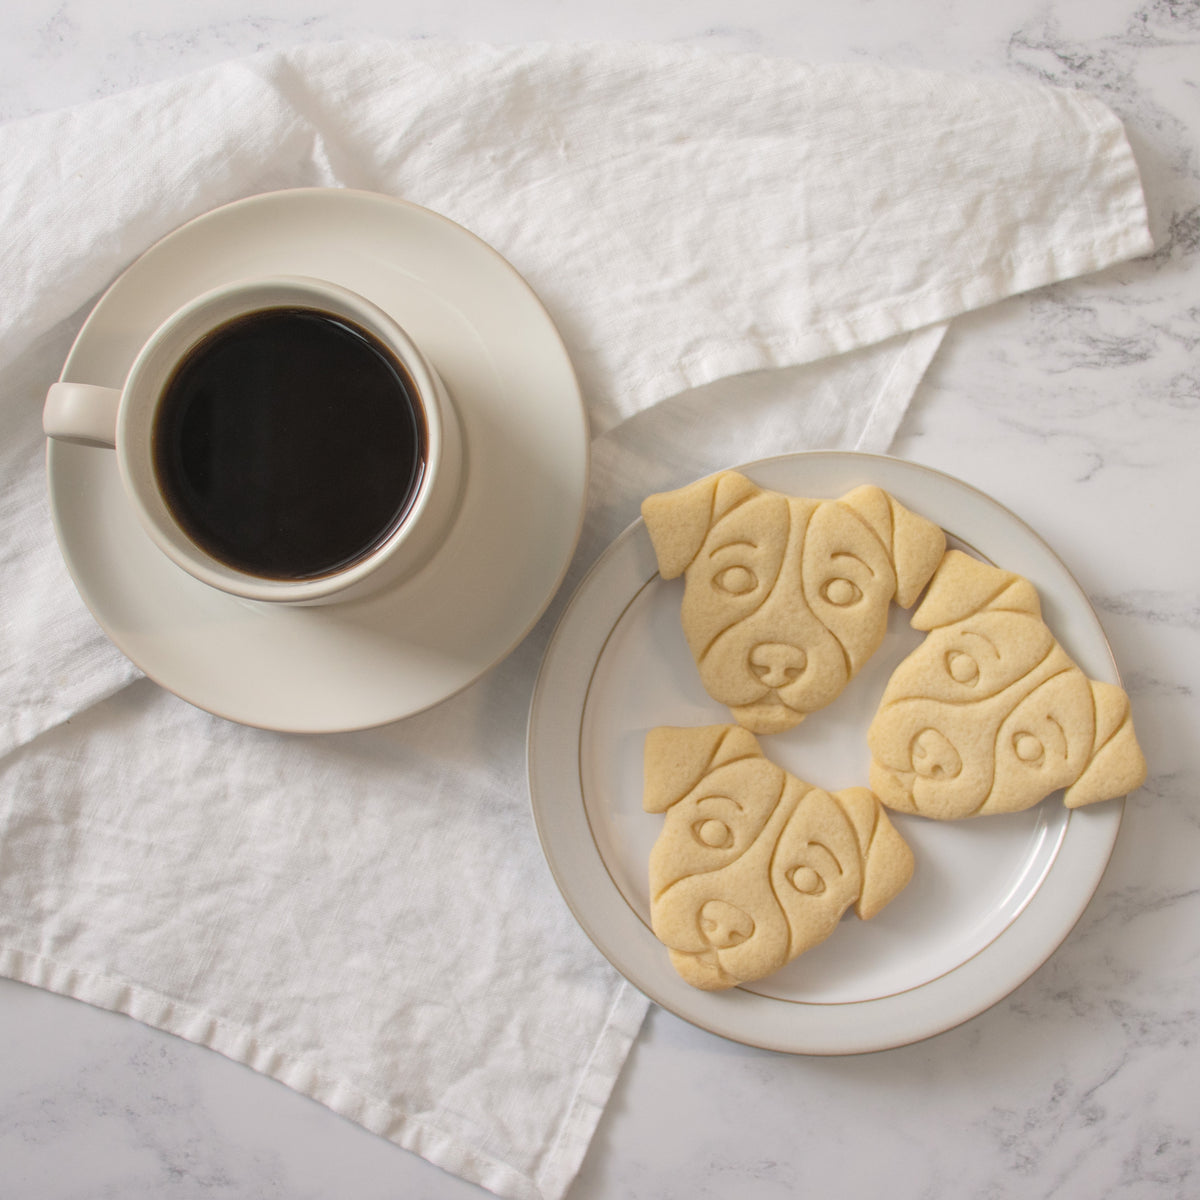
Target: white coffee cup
<point>127,418</point>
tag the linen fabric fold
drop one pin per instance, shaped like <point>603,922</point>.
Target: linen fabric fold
<point>366,917</point>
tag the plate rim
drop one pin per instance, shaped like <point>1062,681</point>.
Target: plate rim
<point>970,987</point>
<point>553,346</point>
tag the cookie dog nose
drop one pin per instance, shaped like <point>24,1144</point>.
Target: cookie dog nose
<point>933,755</point>
<point>724,925</point>
<point>777,663</point>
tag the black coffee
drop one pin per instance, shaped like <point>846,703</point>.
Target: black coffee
<point>289,443</point>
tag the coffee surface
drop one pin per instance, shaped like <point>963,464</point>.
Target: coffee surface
<point>289,443</point>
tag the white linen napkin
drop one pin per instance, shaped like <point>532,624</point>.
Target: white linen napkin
<point>366,917</point>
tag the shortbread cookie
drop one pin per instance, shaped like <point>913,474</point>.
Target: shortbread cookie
<point>786,598</point>
<point>989,714</point>
<point>753,866</point>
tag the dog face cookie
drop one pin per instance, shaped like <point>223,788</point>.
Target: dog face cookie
<point>753,866</point>
<point>989,714</point>
<point>786,598</point>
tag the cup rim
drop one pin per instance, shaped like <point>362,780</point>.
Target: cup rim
<point>141,399</point>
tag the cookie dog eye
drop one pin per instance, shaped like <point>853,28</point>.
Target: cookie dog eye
<point>1028,748</point>
<point>962,667</point>
<point>714,834</point>
<point>737,581</point>
<point>841,592</point>
<point>806,880</point>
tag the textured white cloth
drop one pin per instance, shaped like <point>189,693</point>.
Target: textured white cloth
<point>366,917</point>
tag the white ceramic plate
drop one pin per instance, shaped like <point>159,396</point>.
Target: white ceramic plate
<point>991,898</point>
<point>354,665</point>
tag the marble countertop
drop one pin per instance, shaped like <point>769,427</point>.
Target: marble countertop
<point>1078,407</point>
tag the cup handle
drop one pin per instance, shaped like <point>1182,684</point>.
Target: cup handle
<point>81,413</point>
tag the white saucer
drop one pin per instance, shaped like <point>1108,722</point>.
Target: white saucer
<point>991,898</point>
<point>344,666</point>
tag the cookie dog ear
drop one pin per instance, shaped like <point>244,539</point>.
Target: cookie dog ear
<point>1117,764</point>
<point>914,544</point>
<point>963,586</point>
<point>887,857</point>
<point>679,521</point>
<point>675,760</point>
